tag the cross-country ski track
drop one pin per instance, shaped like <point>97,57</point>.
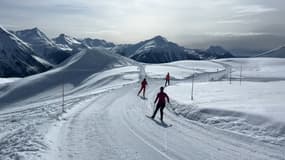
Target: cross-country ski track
<point>106,120</point>
<point>113,125</point>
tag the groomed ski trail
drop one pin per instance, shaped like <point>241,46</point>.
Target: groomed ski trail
<point>113,125</point>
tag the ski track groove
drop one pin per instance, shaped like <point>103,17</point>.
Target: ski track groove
<point>146,142</point>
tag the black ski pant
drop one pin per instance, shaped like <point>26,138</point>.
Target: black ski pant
<point>159,106</point>
<point>167,83</point>
<point>142,89</point>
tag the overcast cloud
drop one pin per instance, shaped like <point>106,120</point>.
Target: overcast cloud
<point>194,23</point>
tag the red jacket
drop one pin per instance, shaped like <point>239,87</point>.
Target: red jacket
<point>167,77</point>
<point>144,83</point>
<point>161,98</point>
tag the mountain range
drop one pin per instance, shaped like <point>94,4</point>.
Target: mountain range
<point>44,52</point>
<point>155,50</point>
<point>43,46</point>
<point>17,58</point>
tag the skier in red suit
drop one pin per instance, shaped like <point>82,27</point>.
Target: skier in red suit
<point>161,96</point>
<point>167,80</point>
<point>143,87</point>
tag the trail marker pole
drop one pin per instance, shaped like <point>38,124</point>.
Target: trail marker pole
<point>192,90</point>
<point>240,74</point>
<point>63,111</point>
<point>230,75</point>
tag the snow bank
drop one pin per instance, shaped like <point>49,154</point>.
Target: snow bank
<point>255,109</point>
<point>22,132</point>
<point>181,69</point>
<point>262,68</point>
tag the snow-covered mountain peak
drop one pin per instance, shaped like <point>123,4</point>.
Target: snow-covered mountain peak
<point>65,40</point>
<point>42,45</point>
<point>34,36</point>
<point>159,38</point>
<point>36,30</point>
<point>17,58</point>
<point>64,36</point>
<point>217,50</point>
<point>2,29</point>
<point>91,43</point>
<point>10,41</point>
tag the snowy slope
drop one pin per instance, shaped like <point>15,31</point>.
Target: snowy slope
<point>181,69</point>
<point>17,58</point>
<point>275,53</point>
<point>252,109</point>
<point>261,69</point>
<point>42,45</point>
<point>73,72</point>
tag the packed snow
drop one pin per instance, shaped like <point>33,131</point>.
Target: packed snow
<point>181,69</point>
<point>261,69</point>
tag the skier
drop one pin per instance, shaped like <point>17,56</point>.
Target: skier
<point>160,104</point>
<point>143,86</point>
<point>167,79</point>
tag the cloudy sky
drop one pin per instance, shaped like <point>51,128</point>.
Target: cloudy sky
<point>193,23</point>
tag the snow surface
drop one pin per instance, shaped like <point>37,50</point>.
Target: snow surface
<point>105,119</point>
<point>247,108</point>
<point>8,80</point>
<point>257,68</point>
<point>182,69</point>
